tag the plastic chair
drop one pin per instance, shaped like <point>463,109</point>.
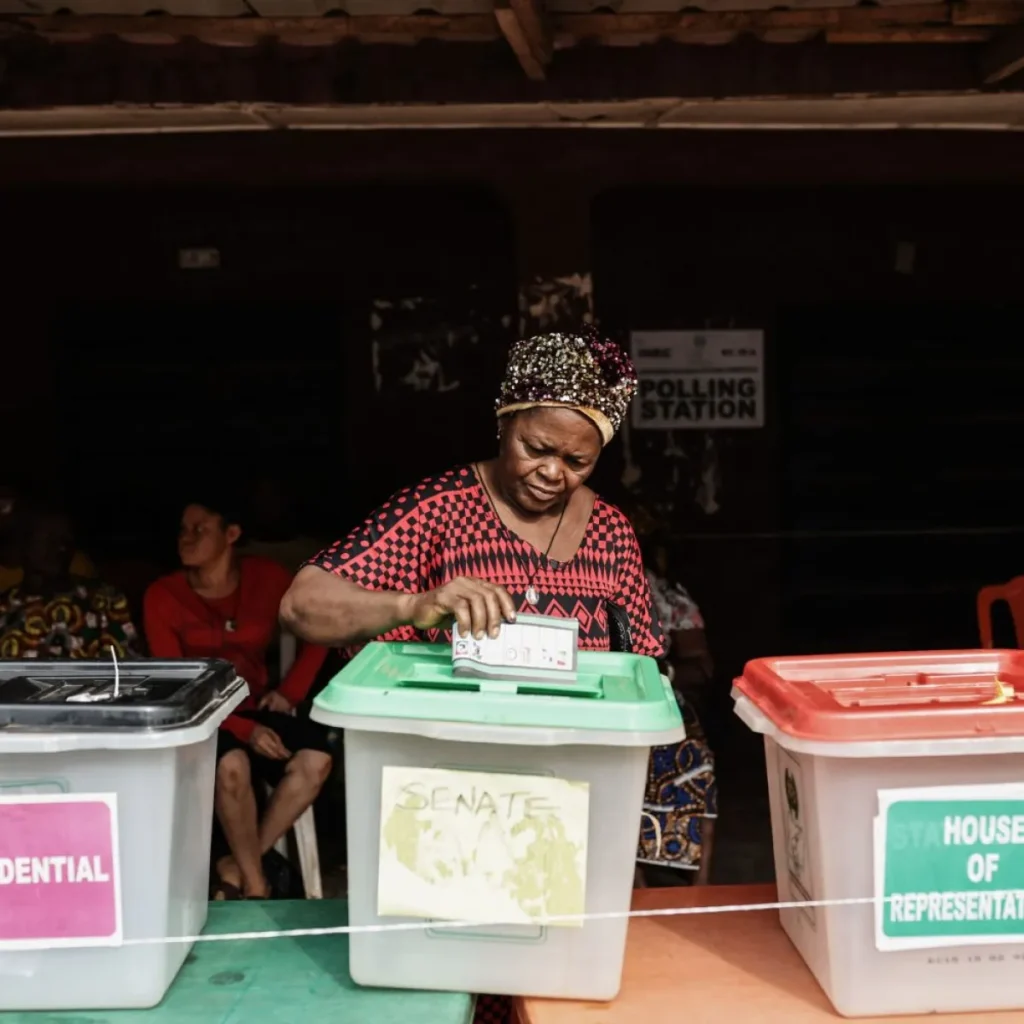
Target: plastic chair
<point>304,830</point>
<point>1013,594</point>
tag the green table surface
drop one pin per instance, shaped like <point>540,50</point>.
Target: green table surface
<point>300,980</point>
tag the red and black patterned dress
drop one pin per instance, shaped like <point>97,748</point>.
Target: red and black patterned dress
<point>445,527</point>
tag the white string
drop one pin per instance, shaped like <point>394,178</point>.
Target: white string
<point>411,926</point>
<point>117,674</point>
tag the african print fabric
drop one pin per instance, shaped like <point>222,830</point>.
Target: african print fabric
<point>445,528</point>
<point>681,793</point>
<point>83,620</point>
<point>681,788</point>
<point>493,1010</point>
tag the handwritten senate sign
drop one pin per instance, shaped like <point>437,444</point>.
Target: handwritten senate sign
<point>59,877</point>
<point>482,847</point>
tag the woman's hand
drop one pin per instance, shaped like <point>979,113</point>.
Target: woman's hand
<point>266,742</point>
<point>275,701</point>
<point>477,606</point>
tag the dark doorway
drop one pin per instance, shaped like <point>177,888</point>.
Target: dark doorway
<point>351,341</point>
<point>902,470</point>
<point>182,394</point>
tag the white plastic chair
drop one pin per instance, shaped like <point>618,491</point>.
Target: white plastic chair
<point>304,830</point>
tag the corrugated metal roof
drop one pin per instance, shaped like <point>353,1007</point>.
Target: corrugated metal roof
<point>569,22</point>
<point>90,36</point>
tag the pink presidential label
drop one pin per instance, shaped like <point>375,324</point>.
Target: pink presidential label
<point>59,878</point>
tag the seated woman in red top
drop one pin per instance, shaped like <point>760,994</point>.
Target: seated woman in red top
<point>221,605</point>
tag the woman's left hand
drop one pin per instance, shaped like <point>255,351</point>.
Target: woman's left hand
<point>274,701</point>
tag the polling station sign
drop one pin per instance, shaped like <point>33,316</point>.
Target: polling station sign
<point>60,882</point>
<point>699,380</point>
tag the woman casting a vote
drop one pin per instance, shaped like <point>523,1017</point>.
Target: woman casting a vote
<point>521,533</point>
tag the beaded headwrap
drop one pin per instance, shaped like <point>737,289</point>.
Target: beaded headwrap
<point>580,371</point>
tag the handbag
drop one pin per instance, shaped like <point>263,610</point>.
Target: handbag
<point>620,636</point>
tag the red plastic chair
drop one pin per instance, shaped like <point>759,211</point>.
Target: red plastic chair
<point>1013,594</point>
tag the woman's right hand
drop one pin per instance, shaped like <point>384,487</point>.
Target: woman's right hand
<point>477,606</point>
<point>266,742</point>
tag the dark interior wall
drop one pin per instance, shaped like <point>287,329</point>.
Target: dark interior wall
<point>882,492</point>
<point>293,357</point>
<point>902,469</point>
<point>271,358</point>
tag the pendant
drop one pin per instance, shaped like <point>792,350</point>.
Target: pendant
<point>230,626</point>
<point>531,596</point>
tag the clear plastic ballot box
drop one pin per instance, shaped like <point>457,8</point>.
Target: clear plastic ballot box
<point>897,784</point>
<point>106,807</point>
<point>513,808</point>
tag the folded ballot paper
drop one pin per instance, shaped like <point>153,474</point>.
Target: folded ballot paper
<point>533,648</point>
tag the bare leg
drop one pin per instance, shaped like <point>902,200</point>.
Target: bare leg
<point>304,777</point>
<point>235,802</point>
<point>707,849</point>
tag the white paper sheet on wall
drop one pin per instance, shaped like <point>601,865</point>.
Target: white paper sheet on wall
<point>482,847</point>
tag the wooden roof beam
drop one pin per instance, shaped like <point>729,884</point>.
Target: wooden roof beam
<point>463,28</point>
<point>1004,56</point>
<point>948,34</point>
<point>525,25</point>
<point>530,30</point>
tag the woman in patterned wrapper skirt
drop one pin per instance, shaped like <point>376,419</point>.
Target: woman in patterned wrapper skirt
<point>681,801</point>
<point>518,534</point>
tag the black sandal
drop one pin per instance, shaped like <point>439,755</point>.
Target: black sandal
<point>282,879</point>
<point>226,892</point>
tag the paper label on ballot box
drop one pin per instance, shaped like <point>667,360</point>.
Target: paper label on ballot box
<point>949,866</point>
<point>60,881</point>
<point>482,847</point>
